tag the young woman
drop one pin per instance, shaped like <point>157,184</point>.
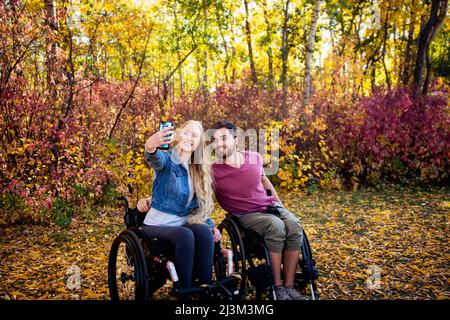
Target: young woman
<point>182,201</point>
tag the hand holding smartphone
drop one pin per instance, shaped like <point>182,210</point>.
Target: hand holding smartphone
<point>162,126</point>
<point>160,139</point>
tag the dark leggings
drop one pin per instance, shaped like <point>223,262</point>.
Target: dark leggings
<point>194,247</point>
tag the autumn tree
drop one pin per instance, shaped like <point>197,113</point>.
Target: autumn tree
<point>427,34</point>
<point>307,90</point>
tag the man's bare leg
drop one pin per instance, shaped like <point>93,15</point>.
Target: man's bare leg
<point>290,260</point>
<point>275,262</point>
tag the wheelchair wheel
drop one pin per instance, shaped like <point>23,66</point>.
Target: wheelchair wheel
<point>231,239</point>
<point>308,273</point>
<point>127,269</point>
<point>261,275</point>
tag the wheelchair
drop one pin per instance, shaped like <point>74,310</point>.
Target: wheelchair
<point>139,266</point>
<point>251,260</point>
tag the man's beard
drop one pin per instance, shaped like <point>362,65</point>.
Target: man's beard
<point>225,155</point>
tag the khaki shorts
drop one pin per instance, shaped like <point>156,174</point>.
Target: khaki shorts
<point>284,232</point>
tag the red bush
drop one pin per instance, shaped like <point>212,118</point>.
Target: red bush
<point>391,136</point>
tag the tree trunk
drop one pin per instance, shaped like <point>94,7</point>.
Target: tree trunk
<point>51,45</point>
<point>426,36</point>
<point>408,57</point>
<point>205,56</point>
<point>233,55</point>
<point>385,37</point>
<point>269,49</point>
<point>70,73</point>
<point>428,75</point>
<point>224,41</point>
<point>284,58</point>
<point>197,71</point>
<point>180,71</point>
<point>309,53</point>
<point>249,43</point>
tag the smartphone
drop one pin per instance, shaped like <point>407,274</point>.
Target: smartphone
<point>162,125</point>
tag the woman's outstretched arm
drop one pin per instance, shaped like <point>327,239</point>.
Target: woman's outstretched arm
<point>156,158</point>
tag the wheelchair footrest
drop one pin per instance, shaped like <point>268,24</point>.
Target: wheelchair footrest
<point>226,285</point>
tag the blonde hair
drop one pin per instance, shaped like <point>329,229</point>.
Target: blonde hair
<point>200,172</point>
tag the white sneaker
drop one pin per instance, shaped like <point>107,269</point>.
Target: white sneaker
<point>281,294</point>
<point>294,294</point>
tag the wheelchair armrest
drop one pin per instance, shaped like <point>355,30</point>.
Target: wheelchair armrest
<point>133,217</point>
<point>126,203</point>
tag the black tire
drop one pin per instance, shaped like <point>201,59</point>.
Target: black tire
<point>220,268</point>
<point>245,264</point>
<point>231,239</point>
<point>127,269</point>
<point>308,273</point>
<point>262,280</point>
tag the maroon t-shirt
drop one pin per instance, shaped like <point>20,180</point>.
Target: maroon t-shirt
<point>239,190</point>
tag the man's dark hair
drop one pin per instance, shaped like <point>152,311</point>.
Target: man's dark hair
<point>226,124</point>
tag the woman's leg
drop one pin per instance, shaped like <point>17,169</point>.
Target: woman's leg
<point>183,239</point>
<point>204,251</point>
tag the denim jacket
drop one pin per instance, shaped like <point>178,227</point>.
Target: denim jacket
<point>170,192</point>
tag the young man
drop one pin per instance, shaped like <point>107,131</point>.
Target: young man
<point>240,187</point>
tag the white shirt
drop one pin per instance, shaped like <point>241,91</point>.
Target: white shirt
<point>155,217</point>
<point>191,184</point>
